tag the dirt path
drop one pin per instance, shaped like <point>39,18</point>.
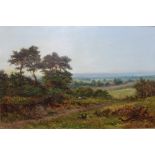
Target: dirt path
<point>66,112</point>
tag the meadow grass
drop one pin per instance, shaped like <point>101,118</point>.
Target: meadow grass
<point>74,122</point>
<point>122,93</point>
<point>93,121</point>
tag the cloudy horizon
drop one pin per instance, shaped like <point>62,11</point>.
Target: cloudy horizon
<point>92,49</point>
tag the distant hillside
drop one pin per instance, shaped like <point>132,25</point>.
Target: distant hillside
<point>113,75</point>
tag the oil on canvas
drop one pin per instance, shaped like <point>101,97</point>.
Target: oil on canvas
<point>77,77</point>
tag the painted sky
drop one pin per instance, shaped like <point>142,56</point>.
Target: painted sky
<point>92,49</point>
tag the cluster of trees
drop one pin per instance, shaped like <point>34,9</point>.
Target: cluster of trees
<point>117,81</point>
<point>145,88</point>
<point>93,83</point>
<point>55,71</point>
<point>89,92</point>
<point>97,83</point>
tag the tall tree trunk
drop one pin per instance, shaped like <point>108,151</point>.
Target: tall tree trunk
<point>21,69</point>
<point>21,72</point>
<point>35,78</point>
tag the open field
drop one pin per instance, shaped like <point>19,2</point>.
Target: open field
<point>122,93</point>
<point>121,86</point>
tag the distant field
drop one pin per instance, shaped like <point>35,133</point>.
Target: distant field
<point>116,87</point>
<point>122,93</point>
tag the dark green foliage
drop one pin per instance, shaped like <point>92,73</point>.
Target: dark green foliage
<point>33,62</point>
<point>89,83</point>
<point>27,59</point>
<point>54,62</point>
<point>145,88</point>
<point>18,89</point>
<point>83,92</point>
<point>3,83</point>
<point>107,84</point>
<point>58,95</point>
<point>19,59</point>
<point>56,74</point>
<point>20,85</point>
<point>32,90</point>
<point>89,92</point>
<point>57,79</point>
<point>101,93</point>
<point>16,83</point>
<point>117,81</point>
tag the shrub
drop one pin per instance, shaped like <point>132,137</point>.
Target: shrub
<point>89,92</point>
<point>84,92</point>
<point>128,112</point>
<point>117,81</point>
<point>3,83</point>
<point>102,93</point>
<point>57,79</point>
<point>145,88</point>
<point>30,90</point>
<point>57,95</point>
<point>136,112</point>
<point>15,100</point>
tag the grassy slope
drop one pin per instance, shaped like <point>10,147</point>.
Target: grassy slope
<point>116,87</point>
<point>72,120</point>
<point>93,121</point>
<point>122,93</point>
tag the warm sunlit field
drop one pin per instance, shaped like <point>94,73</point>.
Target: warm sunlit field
<point>122,93</point>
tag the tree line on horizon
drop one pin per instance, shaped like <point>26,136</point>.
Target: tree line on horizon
<point>97,83</point>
